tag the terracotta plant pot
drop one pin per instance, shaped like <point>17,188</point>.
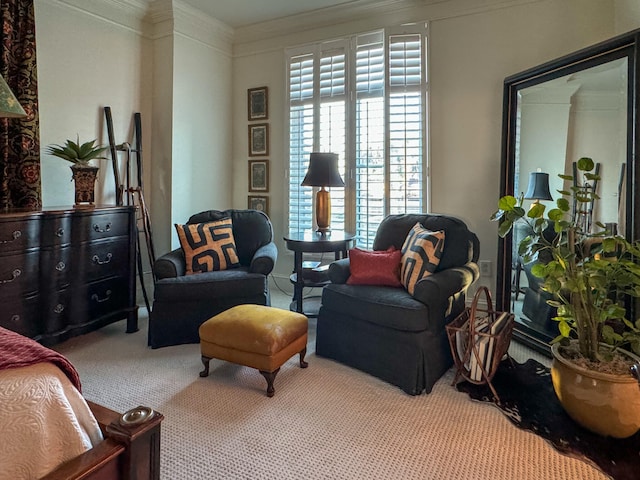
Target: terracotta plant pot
<point>85,181</point>
<point>603,403</point>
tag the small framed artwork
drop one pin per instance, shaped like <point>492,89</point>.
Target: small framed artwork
<point>258,103</point>
<point>258,175</point>
<point>259,202</point>
<point>259,140</point>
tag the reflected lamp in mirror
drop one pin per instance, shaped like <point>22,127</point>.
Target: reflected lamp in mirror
<point>323,172</point>
<point>538,188</point>
<point>9,105</point>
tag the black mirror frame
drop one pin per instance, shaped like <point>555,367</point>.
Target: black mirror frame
<point>626,45</point>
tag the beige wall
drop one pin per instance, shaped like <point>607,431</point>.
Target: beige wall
<point>627,15</point>
<point>164,60</point>
<point>86,62</point>
<point>201,130</point>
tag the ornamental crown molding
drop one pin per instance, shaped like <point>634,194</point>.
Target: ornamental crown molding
<point>130,14</point>
<point>324,17</point>
<point>366,13</point>
<point>158,18</point>
<point>174,16</point>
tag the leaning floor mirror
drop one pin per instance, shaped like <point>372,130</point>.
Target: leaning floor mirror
<point>580,105</point>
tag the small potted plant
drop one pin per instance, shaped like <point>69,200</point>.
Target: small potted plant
<point>589,274</point>
<point>84,174</point>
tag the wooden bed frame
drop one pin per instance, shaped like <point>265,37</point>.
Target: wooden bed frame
<point>130,450</point>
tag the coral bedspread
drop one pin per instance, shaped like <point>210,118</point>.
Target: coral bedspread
<point>44,420</point>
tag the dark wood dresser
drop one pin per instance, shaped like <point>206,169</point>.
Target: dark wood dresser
<point>67,271</point>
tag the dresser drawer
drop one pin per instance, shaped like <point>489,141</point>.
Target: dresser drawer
<point>99,298</point>
<point>19,275</point>
<point>99,225</point>
<point>22,315</point>
<point>19,235</point>
<point>56,311</point>
<point>55,267</point>
<point>56,230</point>
<point>105,259</point>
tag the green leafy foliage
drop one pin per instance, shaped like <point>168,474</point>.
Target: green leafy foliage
<point>75,152</point>
<point>589,274</point>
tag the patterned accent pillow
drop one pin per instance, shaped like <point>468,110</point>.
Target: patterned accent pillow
<point>421,253</point>
<point>208,246</point>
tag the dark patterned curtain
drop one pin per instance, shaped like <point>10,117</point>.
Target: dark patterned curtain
<point>20,137</point>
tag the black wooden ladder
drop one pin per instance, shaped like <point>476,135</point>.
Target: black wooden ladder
<point>134,189</point>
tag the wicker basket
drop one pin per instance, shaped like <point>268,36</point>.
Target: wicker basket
<point>479,338</point>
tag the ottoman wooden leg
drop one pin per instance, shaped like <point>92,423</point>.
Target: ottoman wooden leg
<point>205,362</point>
<point>303,352</point>
<point>270,377</point>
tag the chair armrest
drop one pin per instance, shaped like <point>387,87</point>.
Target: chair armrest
<point>170,265</point>
<point>264,259</point>
<point>438,287</point>
<point>339,271</point>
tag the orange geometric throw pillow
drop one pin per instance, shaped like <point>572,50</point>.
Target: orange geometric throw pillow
<point>208,246</point>
<point>421,253</point>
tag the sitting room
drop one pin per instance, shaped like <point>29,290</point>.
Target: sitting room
<point>287,265</point>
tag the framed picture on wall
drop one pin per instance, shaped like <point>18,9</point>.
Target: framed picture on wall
<point>259,140</point>
<point>259,202</point>
<point>258,175</point>
<point>258,103</point>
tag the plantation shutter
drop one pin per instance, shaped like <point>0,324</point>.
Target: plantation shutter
<point>300,140</point>
<point>370,137</point>
<point>405,124</point>
<point>332,133</point>
<point>363,98</point>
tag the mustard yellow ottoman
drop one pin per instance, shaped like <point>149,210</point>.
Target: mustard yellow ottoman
<point>254,336</point>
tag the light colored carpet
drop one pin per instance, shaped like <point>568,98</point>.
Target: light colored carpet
<point>325,422</point>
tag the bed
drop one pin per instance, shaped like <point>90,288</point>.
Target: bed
<point>48,430</point>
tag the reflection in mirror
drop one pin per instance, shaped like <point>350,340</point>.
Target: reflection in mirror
<point>553,119</point>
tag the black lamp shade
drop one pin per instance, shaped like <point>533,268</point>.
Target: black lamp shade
<point>323,171</point>
<point>538,188</point>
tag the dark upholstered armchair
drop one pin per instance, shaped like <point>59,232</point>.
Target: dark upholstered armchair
<point>385,331</point>
<point>183,302</point>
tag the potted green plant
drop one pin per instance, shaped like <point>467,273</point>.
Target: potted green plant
<point>589,274</point>
<point>83,174</point>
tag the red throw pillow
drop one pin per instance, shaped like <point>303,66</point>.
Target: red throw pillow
<point>375,267</point>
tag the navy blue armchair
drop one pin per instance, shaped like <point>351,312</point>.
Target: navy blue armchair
<point>183,302</point>
<point>385,331</point>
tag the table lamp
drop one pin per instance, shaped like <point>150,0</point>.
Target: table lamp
<point>538,188</point>
<point>9,105</point>
<point>323,172</point>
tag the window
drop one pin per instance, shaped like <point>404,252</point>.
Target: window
<point>363,98</point>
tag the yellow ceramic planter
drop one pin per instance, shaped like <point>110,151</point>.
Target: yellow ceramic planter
<point>603,403</point>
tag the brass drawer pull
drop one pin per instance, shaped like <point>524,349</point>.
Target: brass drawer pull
<point>95,297</point>
<point>60,266</point>
<point>59,308</point>
<point>15,274</point>
<point>97,260</point>
<point>60,232</point>
<point>98,229</point>
<point>14,236</point>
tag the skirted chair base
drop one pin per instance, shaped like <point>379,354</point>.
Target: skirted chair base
<point>387,332</point>
<point>178,313</point>
<point>373,330</point>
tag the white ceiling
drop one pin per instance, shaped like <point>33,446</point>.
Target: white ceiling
<point>239,13</point>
